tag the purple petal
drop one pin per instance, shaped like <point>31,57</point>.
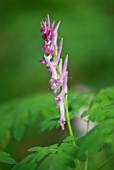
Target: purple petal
<point>51,81</point>
<point>53,23</point>
<point>56,90</point>
<point>64,66</point>
<point>57,26</point>
<point>59,81</point>
<point>57,99</point>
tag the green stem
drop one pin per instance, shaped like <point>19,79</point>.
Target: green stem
<point>67,117</point>
<point>107,162</point>
<point>86,162</point>
<point>70,127</point>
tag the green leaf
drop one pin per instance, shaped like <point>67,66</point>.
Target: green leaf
<point>6,158</point>
<point>16,114</point>
<point>53,157</point>
<point>18,128</point>
<point>78,100</point>
<point>94,140</point>
<point>102,106</point>
<point>101,111</point>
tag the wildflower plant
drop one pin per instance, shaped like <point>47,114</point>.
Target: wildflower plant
<point>56,67</point>
<point>73,152</point>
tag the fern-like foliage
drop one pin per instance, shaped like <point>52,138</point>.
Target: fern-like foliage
<point>102,107</point>
<point>101,111</point>
<point>64,156</point>
<point>15,115</point>
<point>53,157</point>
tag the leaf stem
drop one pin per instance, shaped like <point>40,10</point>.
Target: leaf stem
<point>105,163</point>
<point>86,162</point>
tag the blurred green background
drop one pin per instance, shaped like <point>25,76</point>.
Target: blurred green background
<point>88,31</point>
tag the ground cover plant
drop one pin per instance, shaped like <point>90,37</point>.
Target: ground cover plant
<point>63,111</point>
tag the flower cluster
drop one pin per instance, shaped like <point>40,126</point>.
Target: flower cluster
<point>58,71</point>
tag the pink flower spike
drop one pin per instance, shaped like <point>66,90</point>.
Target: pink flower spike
<point>64,67</point>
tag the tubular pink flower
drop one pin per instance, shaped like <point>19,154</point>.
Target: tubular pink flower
<point>61,95</point>
<point>60,67</point>
<point>56,28</point>
<point>54,34</point>
<point>52,68</point>
<point>64,67</point>
<point>56,60</point>
<point>62,112</point>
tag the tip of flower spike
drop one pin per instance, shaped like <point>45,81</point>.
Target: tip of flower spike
<point>48,20</point>
<point>57,26</point>
<point>61,122</point>
<point>61,40</point>
<point>66,59</point>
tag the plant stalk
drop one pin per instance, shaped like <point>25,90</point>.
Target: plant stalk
<point>86,162</point>
<point>67,117</point>
<point>106,163</point>
<point>70,127</point>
